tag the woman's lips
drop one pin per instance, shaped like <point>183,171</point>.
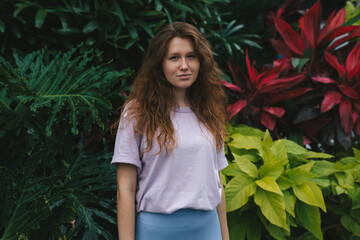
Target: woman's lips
<point>184,76</point>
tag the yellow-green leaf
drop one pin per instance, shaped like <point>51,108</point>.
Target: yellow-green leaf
<point>357,154</point>
<point>245,142</point>
<point>289,203</point>
<point>272,169</point>
<point>232,170</point>
<point>345,179</point>
<point>323,168</point>
<point>284,182</point>
<point>238,190</point>
<point>246,166</point>
<point>272,206</point>
<point>299,175</point>
<point>310,194</point>
<point>267,141</point>
<point>269,184</point>
<point>279,151</point>
<point>268,156</point>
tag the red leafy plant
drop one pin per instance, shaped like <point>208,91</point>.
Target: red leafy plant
<point>313,88</point>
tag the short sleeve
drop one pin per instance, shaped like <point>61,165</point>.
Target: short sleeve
<point>127,143</point>
<point>221,160</point>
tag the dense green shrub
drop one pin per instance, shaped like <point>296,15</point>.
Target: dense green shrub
<point>119,28</point>
<point>271,181</point>
<point>274,189</point>
<point>54,181</point>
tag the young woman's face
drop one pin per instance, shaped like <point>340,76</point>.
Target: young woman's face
<point>180,64</point>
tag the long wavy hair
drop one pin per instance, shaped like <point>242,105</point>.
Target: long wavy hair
<point>151,100</point>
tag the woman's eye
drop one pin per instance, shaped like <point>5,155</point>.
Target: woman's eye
<point>174,58</point>
<point>191,56</point>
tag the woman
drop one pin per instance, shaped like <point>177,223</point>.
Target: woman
<point>169,147</point>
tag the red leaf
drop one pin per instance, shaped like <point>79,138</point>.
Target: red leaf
<point>353,62</point>
<point>325,80</point>
<point>236,107</point>
<point>312,19</point>
<point>335,64</point>
<point>333,22</point>
<point>253,74</point>
<point>354,116</point>
<point>285,62</point>
<point>268,76</point>
<point>338,32</point>
<point>358,128</point>
<point>291,38</point>
<point>282,96</point>
<point>282,48</point>
<point>348,91</point>
<point>353,72</point>
<point>268,120</point>
<point>276,111</point>
<point>331,99</point>
<point>280,84</point>
<point>235,72</point>
<point>356,105</point>
<point>284,8</point>
<point>231,86</point>
<point>345,112</point>
<point>354,34</point>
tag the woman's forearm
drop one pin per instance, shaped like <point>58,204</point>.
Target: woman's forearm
<point>221,210</point>
<point>126,215</point>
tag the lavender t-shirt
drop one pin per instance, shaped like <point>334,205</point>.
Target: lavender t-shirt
<point>187,178</point>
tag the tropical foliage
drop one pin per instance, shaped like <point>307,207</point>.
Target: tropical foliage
<point>271,181</point>
<point>52,184</point>
<point>275,187</point>
<point>119,28</point>
<point>312,90</point>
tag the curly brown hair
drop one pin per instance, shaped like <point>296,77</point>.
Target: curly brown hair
<point>151,100</point>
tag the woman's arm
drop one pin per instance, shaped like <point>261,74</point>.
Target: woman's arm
<point>126,189</point>
<point>221,210</point>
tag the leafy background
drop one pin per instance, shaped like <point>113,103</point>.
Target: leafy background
<point>65,69</point>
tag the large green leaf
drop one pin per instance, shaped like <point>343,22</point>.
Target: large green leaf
<point>357,154</point>
<point>301,174</point>
<point>345,179</point>
<point>245,130</point>
<point>269,184</point>
<point>290,200</point>
<point>244,225</point>
<point>267,140</point>
<point>309,217</point>
<point>351,224</point>
<point>294,148</point>
<point>246,142</point>
<point>272,169</point>
<point>238,190</point>
<point>323,168</point>
<point>279,151</point>
<point>246,166</point>
<point>310,194</point>
<point>272,206</point>
<point>275,231</point>
<point>268,156</point>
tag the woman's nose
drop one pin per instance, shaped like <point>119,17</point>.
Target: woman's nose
<point>183,65</point>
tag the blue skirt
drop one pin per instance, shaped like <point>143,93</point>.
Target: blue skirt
<point>184,224</point>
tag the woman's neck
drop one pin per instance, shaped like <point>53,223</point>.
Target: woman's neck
<point>181,98</point>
